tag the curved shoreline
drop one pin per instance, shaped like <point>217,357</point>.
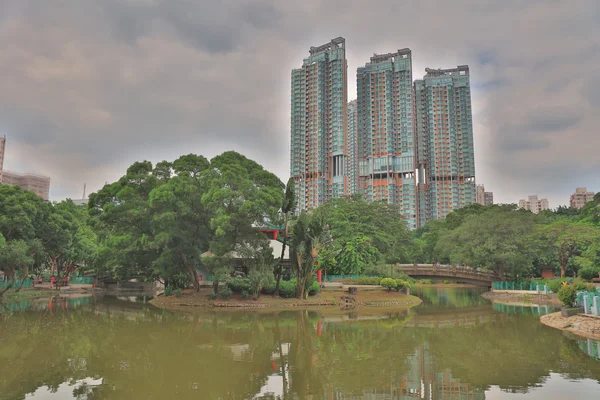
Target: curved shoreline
<point>585,326</point>
<point>549,299</point>
<point>327,300</point>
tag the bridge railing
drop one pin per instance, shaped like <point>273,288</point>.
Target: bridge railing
<point>447,270</point>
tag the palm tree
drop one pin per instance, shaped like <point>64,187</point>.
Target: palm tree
<point>310,236</point>
<point>289,203</point>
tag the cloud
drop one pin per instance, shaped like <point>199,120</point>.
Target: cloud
<point>88,86</point>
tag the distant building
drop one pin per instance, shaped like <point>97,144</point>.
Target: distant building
<point>581,197</point>
<point>352,148</point>
<point>480,191</point>
<point>488,198</point>
<point>534,204</point>
<point>80,202</point>
<point>2,146</point>
<point>38,184</point>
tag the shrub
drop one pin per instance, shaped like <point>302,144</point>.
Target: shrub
<point>568,295</point>
<point>314,288</point>
<point>589,273</point>
<point>225,292</point>
<point>178,292</point>
<point>212,296</point>
<point>426,281</point>
<point>287,289</point>
<point>401,283</point>
<point>388,283</point>
<point>446,281</point>
<point>365,280</point>
<point>245,294</point>
<point>268,288</point>
<point>238,285</point>
<point>554,285</point>
<point>168,291</point>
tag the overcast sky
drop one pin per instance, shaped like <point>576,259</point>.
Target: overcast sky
<point>89,86</point>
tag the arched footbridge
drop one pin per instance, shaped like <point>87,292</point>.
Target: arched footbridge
<point>449,272</point>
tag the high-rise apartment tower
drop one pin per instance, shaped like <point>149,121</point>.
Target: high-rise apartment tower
<point>580,198</point>
<point>318,125</point>
<point>444,146</point>
<point>386,165</point>
<point>352,148</point>
<point>2,147</point>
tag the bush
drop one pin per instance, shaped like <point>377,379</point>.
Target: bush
<point>314,288</point>
<point>225,292</point>
<point>568,294</point>
<point>238,285</point>
<point>446,281</point>
<point>213,295</point>
<point>426,281</point>
<point>287,289</point>
<point>268,288</point>
<point>178,292</point>
<point>589,273</point>
<point>554,284</point>
<point>403,284</point>
<point>245,294</point>
<point>388,283</point>
<point>168,291</point>
<point>365,280</point>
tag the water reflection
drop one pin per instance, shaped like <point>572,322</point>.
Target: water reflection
<point>524,309</point>
<point>115,349</point>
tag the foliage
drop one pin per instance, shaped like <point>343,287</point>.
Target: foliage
<point>402,284</point>
<point>313,288</point>
<point>168,291</point>
<point>245,294</point>
<point>364,280</point>
<point>287,289</point>
<point>497,239</point>
<point>225,292</point>
<point>568,294</point>
<point>238,285</point>
<point>426,281</point>
<point>178,292</point>
<point>310,236</point>
<point>565,240</point>
<point>287,207</point>
<point>589,273</point>
<point>446,281</point>
<point>388,283</point>
<point>363,233</point>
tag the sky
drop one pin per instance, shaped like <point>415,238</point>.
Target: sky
<point>88,87</point>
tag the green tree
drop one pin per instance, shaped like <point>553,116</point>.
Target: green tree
<point>496,240</point>
<point>363,233</point>
<point>310,236</point>
<point>287,207</point>
<point>566,239</point>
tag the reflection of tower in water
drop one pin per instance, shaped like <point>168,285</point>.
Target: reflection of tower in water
<point>423,381</point>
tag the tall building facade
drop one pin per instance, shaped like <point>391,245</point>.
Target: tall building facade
<point>581,197</point>
<point>488,198</point>
<point>318,125</point>
<point>444,147</point>
<point>2,147</point>
<point>352,148</point>
<point>534,204</point>
<point>38,184</point>
<point>386,148</point>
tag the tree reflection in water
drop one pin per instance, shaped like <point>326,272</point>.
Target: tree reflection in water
<point>139,352</point>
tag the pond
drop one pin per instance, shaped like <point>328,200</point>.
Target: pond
<point>456,345</point>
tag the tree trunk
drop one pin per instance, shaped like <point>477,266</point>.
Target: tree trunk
<point>280,266</point>
<point>215,286</point>
<point>563,269</point>
<point>191,271</point>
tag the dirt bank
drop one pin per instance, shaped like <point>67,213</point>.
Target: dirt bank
<point>586,326</point>
<point>325,299</point>
<point>550,299</point>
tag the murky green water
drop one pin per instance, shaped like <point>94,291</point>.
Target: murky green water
<point>454,346</point>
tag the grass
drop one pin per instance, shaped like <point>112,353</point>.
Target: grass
<point>27,294</point>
